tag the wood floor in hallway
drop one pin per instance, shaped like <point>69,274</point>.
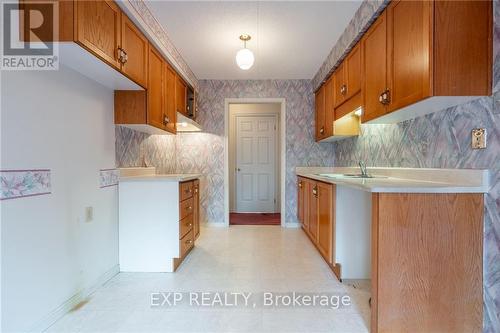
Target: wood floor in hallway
<point>238,259</point>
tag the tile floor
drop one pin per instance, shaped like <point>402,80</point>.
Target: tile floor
<point>252,259</point>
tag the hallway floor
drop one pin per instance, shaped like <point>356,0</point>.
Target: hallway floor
<point>251,259</point>
<point>255,218</point>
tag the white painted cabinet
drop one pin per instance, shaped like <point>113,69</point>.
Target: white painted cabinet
<point>156,226</point>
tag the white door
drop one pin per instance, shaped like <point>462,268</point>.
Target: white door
<point>256,139</point>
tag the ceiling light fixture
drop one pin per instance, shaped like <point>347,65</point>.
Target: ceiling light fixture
<point>244,57</point>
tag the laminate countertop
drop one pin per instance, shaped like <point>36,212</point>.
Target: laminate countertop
<point>403,180</point>
<point>149,174</point>
<point>180,177</point>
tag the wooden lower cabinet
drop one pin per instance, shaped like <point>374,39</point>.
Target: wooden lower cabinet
<point>196,210</point>
<point>189,224</point>
<point>316,213</point>
<point>325,197</point>
<point>427,262</point>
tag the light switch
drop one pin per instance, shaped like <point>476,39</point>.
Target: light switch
<point>479,138</point>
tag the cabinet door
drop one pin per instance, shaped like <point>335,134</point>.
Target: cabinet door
<point>320,113</point>
<point>409,30</point>
<point>181,95</point>
<point>98,29</point>
<point>313,211</point>
<point>300,199</point>
<point>196,208</point>
<point>329,109</point>
<point>353,71</point>
<point>374,51</point>
<point>306,189</point>
<point>169,96</point>
<point>325,220</point>
<point>339,86</point>
<point>135,45</point>
<point>155,89</point>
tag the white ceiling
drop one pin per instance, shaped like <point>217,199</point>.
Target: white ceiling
<point>290,39</point>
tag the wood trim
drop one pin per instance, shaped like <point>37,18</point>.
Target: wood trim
<point>374,264</point>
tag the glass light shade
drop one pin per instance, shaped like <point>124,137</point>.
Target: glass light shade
<point>245,59</point>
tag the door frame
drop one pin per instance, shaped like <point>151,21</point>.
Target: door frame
<point>282,145</point>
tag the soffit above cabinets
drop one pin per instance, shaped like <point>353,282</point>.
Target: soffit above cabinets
<point>290,40</point>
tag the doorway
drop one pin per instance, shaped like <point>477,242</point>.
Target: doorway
<point>254,164</point>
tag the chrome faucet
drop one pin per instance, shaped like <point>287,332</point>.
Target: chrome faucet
<point>362,166</point>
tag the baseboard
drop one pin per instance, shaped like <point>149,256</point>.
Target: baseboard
<point>77,298</point>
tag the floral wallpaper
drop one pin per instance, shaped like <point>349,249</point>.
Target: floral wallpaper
<point>24,183</point>
<point>367,12</point>
<point>137,149</point>
<point>204,152</point>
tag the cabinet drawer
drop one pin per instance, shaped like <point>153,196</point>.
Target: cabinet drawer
<point>185,190</point>
<point>186,243</point>
<point>186,208</point>
<point>185,225</point>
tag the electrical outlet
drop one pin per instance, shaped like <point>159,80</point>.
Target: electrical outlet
<point>89,214</point>
<point>479,138</point>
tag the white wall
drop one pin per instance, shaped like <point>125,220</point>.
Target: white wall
<point>61,121</point>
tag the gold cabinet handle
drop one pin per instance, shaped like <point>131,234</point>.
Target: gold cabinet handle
<point>188,242</point>
<point>315,191</point>
<point>300,184</point>
<point>343,89</point>
<point>322,130</point>
<point>385,97</point>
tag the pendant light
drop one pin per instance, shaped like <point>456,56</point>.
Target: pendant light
<point>244,57</point>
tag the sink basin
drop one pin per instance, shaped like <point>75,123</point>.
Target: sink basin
<point>347,175</point>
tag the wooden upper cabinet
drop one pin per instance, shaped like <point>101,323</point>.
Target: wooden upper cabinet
<point>374,51</point>
<point>135,46</point>
<point>325,199</point>
<point>347,77</point>
<point>156,116</point>
<point>98,29</point>
<point>329,109</point>
<point>421,49</point>
<point>320,113</point>
<point>339,85</point>
<point>352,72</point>
<point>181,95</point>
<point>409,32</point>
<point>169,99</point>
<point>463,48</point>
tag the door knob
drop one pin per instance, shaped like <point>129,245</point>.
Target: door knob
<point>238,169</point>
